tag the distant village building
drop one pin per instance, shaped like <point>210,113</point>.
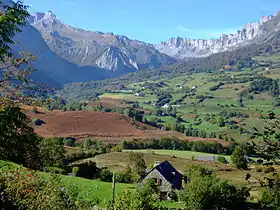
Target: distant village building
<point>166,177</point>
<point>165,106</point>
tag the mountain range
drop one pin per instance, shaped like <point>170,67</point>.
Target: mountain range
<point>66,54</point>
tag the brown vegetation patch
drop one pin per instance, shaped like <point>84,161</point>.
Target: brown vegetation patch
<point>107,127</point>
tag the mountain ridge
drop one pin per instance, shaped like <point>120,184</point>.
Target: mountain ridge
<point>67,54</point>
<point>177,48</point>
<point>186,48</point>
<point>103,50</point>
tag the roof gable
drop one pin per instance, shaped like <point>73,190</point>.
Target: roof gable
<point>170,174</point>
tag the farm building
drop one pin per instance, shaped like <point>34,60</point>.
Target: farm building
<point>165,106</point>
<point>166,177</point>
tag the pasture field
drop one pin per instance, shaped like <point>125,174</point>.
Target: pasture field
<point>177,153</point>
<point>120,160</point>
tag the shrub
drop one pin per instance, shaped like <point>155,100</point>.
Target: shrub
<point>69,142</point>
<point>52,153</point>
<point>270,196</point>
<point>37,122</point>
<point>222,159</point>
<point>105,175</point>
<point>22,189</point>
<point>238,158</point>
<point>87,170</point>
<point>54,170</point>
<point>269,169</point>
<point>209,192</point>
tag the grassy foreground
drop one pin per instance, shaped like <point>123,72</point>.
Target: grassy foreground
<point>88,189</point>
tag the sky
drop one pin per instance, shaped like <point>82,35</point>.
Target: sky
<point>154,21</point>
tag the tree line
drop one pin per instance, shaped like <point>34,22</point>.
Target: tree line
<point>176,144</point>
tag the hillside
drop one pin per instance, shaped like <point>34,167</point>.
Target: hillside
<point>227,102</point>
<point>107,127</point>
<point>238,60</point>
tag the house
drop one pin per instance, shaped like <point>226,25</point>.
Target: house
<point>194,87</point>
<point>165,106</point>
<point>166,177</point>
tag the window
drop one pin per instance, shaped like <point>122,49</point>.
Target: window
<point>159,181</point>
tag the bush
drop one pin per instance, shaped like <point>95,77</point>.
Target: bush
<point>87,170</point>
<point>54,170</point>
<point>52,153</point>
<point>269,169</point>
<point>238,158</point>
<point>222,159</point>
<point>209,192</point>
<point>22,189</point>
<point>145,197</point>
<point>69,142</point>
<point>37,122</point>
<point>270,196</point>
<point>126,177</point>
<point>105,175</point>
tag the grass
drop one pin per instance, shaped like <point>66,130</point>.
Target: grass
<point>88,189</point>
<point>177,153</point>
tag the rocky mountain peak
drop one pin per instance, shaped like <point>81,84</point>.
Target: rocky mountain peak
<point>185,48</point>
<point>48,16</point>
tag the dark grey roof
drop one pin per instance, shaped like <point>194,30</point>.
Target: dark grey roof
<point>170,174</point>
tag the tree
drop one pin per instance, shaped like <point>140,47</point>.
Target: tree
<point>52,153</point>
<point>221,121</point>
<point>137,162</point>
<point>269,149</point>
<point>206,191</point>
<point>18,142</point>
<point>14,71</point>
<point>12,17</point>
<point>270,196</point>
<point>238,158</point>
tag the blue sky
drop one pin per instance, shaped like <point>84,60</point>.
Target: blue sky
<point>157,20</point>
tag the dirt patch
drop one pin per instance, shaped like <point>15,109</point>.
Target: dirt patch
<point>109,103</point>
<point>107,127</point>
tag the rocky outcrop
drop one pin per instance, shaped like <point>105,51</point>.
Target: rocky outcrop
<point>105,50</point>
<point>252,32</point>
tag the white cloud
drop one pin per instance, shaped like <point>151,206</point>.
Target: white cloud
<point>183,29</point>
